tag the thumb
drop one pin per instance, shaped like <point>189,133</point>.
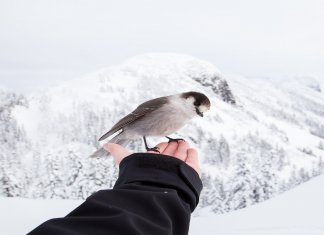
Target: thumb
<point>117,151</point>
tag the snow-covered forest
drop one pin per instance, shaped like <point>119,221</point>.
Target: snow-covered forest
<point>260,138</point>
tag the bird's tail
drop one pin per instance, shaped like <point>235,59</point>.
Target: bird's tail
<point>101,152</point>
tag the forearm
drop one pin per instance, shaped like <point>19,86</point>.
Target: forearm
<point>153,195</point>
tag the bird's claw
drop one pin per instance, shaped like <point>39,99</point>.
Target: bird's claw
<point>154,149</point>
<point>174,140</point>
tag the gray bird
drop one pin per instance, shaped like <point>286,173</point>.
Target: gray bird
<point>157,117</point>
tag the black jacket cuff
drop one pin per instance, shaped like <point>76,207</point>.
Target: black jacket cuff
<point>161,171</point>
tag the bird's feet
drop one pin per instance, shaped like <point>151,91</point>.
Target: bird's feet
<point>154,149</point>
<point>174,140</point>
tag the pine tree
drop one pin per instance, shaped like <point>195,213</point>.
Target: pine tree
<point>321,145</point>
<point>13,144</point>
<point>240,184</point>
<point>224,151</point>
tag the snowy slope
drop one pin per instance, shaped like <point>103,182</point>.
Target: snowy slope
<point>261,137</point>
<point>297,212</point>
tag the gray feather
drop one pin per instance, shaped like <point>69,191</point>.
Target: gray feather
<point>139,112</point>
<point>101,152</point>
<point>118,139</point>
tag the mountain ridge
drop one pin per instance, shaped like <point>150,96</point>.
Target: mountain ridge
<point>260,137</point>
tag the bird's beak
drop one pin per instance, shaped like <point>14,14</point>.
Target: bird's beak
<point>199,113</point>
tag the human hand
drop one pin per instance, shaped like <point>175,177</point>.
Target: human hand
<point>179,150</point>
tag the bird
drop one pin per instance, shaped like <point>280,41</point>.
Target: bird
<point>161,116</point>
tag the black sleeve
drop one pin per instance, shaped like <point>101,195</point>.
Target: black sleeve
<point>154,194</point>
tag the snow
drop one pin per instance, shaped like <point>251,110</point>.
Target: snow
<point>297,212</point>
<point>273,129</point>
<point>20,215</point>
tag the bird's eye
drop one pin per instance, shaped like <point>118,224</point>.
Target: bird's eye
<point>196,103</point>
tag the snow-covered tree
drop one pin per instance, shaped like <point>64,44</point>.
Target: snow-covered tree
<point>13,144</point>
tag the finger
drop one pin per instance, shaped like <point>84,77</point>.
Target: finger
<point>170,149</point>
<point>117,151</point>
<point>192,160</point>
<point>181,152</point>
<point>161,147</point>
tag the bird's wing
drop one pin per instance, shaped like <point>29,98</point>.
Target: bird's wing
<point>140,111</point>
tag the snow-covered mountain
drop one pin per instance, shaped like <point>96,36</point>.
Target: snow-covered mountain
<point>261,136</point>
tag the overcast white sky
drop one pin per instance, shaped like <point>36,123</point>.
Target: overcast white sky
<point>44,42</point>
